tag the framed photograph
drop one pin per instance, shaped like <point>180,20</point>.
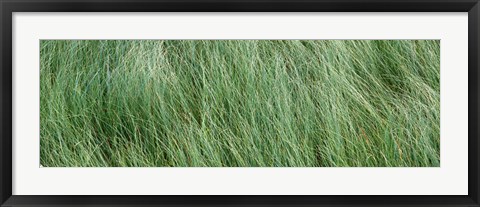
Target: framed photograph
<point>239,103</point>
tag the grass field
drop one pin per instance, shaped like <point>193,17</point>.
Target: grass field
<point>240,103</point>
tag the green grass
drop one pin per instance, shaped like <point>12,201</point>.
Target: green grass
<point>247,103</point>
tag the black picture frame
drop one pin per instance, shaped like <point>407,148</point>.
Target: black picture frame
<point>7,7</point>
